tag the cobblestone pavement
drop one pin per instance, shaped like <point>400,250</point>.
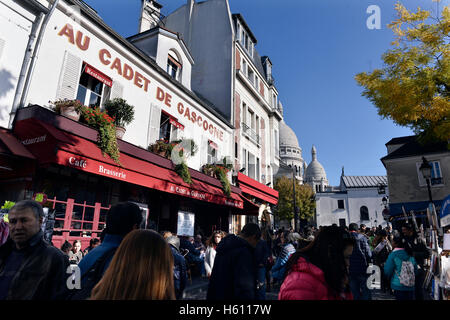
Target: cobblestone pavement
<point>198,288</point>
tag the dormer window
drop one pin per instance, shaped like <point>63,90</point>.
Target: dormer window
<point>174,66</point>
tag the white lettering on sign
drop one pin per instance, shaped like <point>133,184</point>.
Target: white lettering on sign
<point>34,140</point>
<point>77,162</point>
<point>113,173</point>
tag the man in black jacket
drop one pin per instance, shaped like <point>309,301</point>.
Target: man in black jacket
<point>30,268</point>
<point>234,273</point>
<point>179,267</point>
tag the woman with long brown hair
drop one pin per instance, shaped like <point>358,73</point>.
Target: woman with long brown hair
<point>142,269</point>
<point>210,253</point>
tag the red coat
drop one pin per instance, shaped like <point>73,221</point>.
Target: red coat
<point>305,281</point>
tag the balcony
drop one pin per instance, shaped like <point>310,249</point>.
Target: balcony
<point>270,80</point>
<point>250,133</point>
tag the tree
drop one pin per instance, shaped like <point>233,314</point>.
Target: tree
<point>413,87</point>
<point>304,199</point>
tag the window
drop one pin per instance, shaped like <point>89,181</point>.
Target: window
<point>274,101</point>
<point>257,170</point>
<point>173,66</point>
<point>164,127</point>
<point>364,213</point>
<point>244,66</point>
<point>235,150</point>
<point>277,151</point>
<point>251,166</point>
<point>244,161</point>
<point>251,76</point>
<point>436,176</point>
<point>341,204</point>
<point>212,154</point>
<point>90,90</point>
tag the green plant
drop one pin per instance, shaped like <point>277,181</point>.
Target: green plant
<point>220,171</point>
<point>104,124</point>
<point>120,111</point>
<point>183,171</point>
<point>61,103</point>
<point>221,174</point>
<point>8,205</point>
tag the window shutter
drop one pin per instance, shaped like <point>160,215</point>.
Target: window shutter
<point>116,90</point>
<point>2,46</point>
<point>153,123</point>
<point>69,78</point>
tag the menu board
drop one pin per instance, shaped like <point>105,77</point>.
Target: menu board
<point>186,222</point>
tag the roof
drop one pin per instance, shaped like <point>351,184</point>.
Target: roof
<point>400,140</point>
<point>364,181</point>
<point>245,25</point>
<point>288,137</point>
<point>411,147</point>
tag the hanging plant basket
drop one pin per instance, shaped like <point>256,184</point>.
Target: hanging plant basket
<point>120,131</point>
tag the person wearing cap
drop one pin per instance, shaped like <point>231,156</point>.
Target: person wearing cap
<point>179,267</point>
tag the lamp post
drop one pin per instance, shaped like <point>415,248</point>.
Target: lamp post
<point>425,169</point>
<point>295,207</point>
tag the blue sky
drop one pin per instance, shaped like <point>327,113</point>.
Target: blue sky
<point>316,47</point>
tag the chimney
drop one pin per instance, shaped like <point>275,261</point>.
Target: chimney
<point>150,15</point>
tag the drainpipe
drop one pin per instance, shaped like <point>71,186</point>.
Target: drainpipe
<point>24,86</point>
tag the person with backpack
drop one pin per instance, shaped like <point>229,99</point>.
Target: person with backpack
<point>121,219</point>
<point>401,268</point>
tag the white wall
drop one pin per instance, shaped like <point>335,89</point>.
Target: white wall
<point>15,27</point>
<point>328,212</point>
<point>45,82</point>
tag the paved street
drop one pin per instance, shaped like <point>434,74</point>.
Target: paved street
<point>198,288</point>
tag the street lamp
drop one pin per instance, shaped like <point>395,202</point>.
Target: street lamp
<point>425,169</point>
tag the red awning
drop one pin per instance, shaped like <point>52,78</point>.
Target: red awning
<point>13,145</point>
<point>257,189</point>
<point>250,208</point>
<point>51,145</point>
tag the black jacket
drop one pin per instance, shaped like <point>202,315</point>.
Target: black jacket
<point>179,272</point>
<point>234,273</point>
<point>42,274</point>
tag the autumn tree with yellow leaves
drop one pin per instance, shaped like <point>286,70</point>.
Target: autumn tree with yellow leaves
<point>413,87</point>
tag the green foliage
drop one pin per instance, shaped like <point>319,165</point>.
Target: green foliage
<point>120,111</point>
<point>413,88</point>
<point>8,205</point>
<point>183,171</point>
<point>220,171</point>
<point>104,124</point>
<point>304,199</point>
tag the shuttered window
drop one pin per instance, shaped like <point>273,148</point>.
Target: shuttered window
<point>69,77</point>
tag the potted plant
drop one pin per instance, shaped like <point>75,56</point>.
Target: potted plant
<point>162,147</point>
<point>68,108</point>
<point>121,112</point>
<point>208,169</point>
<point>183,171</point>
<point>104,124</point>
<point>219,171</point>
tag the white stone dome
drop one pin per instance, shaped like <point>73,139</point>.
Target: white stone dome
<point>315,170</point>
<point>288,137</point>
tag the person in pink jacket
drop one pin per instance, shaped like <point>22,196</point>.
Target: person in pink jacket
<point>320,270</point>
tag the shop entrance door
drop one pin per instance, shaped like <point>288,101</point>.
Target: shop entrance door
<point>76,221</point>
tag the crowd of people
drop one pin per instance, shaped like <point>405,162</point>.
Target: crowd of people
<point>328,263</point>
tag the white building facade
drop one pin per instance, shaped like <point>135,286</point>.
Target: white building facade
<point>358,199</point>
